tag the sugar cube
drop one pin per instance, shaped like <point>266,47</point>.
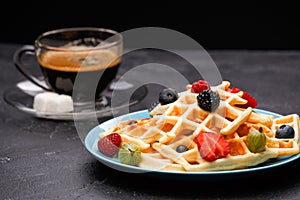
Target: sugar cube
<point>52,102</point>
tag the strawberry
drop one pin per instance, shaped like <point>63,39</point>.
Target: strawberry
<point>212,146</point>
<point>199,86</point>
<point>251,101</point>
<point>109,145</point>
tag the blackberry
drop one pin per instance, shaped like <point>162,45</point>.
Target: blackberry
<point>208,100</point>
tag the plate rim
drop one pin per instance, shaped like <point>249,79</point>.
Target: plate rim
<point>92,135</point>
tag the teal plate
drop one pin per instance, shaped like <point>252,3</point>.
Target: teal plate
<point>92,138</point>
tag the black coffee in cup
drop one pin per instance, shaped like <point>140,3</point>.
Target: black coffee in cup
<point>60,69</point>
<point>75,61</point>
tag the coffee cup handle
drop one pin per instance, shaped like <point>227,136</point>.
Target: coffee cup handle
<point>17,58</point>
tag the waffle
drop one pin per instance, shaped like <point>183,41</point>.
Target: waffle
<point>180,122</point>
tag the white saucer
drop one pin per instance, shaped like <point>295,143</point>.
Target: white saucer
<point>21,96</point>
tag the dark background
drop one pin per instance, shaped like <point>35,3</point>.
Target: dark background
<point>215,26</point>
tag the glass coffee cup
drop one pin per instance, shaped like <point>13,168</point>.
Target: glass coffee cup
<point>91,55</point>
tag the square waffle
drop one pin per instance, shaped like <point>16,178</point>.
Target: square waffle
<point>180,122</point>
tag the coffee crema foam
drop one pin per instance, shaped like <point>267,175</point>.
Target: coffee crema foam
<point>80,60</point>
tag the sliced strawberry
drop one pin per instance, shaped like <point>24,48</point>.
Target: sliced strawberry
<point>251,101</point>
<point>109,145</point>
<point>212,146</point>
<point>199,86</point>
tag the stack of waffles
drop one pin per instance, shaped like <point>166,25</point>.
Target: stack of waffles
<point>180,122</point>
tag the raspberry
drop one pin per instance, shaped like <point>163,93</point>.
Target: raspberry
<point>251,101</point>
<point>199,86</point>
<point>208,100</point>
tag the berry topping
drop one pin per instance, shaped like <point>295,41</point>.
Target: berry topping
<point>129,154</point>
<point>212,146</point>
<point>132,122</point>
<point>251,101</point>
<point>208,100</point>
<point>167,96</point>
<point>256,141</point>
<point>285,131</point>
<point>199,86</point>
<point>109,145</point>
<point>182,148</point>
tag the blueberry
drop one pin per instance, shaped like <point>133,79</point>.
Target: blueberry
<point>181,148</point>
<point>132,122</point>
<point>167,96</point>
<point>285,131</point>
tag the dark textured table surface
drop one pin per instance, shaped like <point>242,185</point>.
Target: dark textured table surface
<point>45,159</point>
